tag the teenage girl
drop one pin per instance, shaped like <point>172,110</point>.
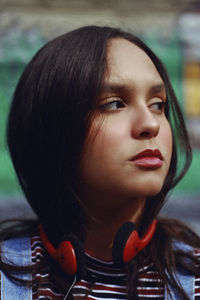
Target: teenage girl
<point>95,134</point>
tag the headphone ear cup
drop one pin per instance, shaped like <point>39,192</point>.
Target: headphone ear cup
<point>79,254</point>
<point>71,257</point>
<point>120,241</point>
<point>69,254</point>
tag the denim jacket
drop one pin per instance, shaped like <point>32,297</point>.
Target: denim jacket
<point>18,251</point>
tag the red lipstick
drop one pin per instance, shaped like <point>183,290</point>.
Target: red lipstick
<point>149,159</point>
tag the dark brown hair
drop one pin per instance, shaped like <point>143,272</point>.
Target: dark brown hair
<point>48,123</point>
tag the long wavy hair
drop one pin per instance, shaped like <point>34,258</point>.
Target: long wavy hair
<point>49,119</point>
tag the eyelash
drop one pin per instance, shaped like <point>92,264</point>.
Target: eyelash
<point>108,106</point>
<point>160,104</point>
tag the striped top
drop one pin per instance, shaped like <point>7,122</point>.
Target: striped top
<point>105,281</point>
<point>102,281</point>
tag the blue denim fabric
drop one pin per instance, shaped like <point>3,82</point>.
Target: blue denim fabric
<point>16,251</point>
<point>186,280</point>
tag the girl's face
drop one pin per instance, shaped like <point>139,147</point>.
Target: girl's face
<point>128,149</point>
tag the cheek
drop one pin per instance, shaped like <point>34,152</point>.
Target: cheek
<point>104,139</point>
<point>101,150</point>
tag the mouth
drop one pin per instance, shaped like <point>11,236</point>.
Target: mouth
<point>148,159</point>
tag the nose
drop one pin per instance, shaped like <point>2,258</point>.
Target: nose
<point>145,124</point>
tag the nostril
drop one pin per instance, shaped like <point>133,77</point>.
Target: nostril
<point>144,134</point>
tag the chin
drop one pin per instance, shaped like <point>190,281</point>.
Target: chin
<point>153,191</point>
<point>149,190</point>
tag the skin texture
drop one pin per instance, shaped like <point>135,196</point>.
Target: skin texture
<point>129,118</point>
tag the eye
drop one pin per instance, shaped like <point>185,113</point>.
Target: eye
<point>112,105</point>
<point>158,106</point>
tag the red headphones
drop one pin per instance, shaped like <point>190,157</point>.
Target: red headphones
<point>127,242</point>
<point>70,254</point>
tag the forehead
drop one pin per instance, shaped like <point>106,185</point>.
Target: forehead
<point>127,62</point>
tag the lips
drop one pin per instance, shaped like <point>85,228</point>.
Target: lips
<point>148,159</point>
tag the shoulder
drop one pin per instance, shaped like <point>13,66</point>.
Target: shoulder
<point>15,255</point>
<point>22,251</point>
<point>16,251</point>
<point>184,276</point>
<point>177,236</point>
<point>182,246</point>
<point>190,255</point>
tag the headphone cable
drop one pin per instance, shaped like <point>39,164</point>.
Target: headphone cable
<point>71,287</point>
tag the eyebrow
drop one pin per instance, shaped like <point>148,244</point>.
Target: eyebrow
<point>114,87</point>
<point>118,87</point>
<point>158,88</point>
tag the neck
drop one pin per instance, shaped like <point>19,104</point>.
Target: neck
<point>106,221</point>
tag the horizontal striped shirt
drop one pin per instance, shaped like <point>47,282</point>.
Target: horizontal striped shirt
<point>102,280</point>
